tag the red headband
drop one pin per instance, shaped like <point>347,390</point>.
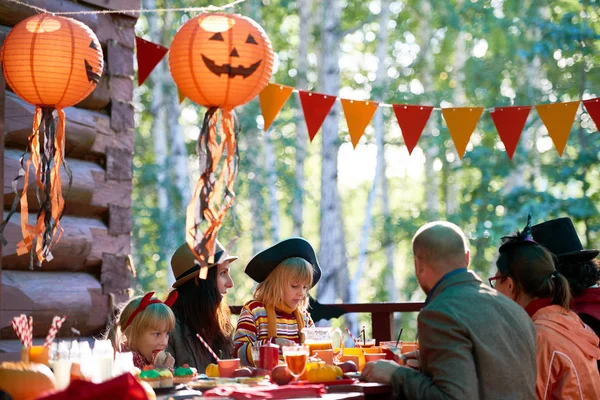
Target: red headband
<point>146,301</point>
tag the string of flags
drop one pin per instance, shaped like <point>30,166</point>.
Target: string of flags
<point>461,121</point>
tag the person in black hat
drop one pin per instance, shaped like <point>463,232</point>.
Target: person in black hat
<point>200,308</point>
<point>284,272</point>
<point>579,266</point>
<point>566,349</point>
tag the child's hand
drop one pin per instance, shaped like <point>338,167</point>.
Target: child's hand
<point>164,360</point>
<point>284,342</point>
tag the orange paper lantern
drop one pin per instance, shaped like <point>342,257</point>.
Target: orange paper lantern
<point>219,61</point>
<point>51,62</point>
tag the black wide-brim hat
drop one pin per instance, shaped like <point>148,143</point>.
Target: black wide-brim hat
<point>560,237</point>
<point>264,262</point>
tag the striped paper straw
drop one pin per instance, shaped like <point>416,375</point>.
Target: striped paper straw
<point>356,342</point>
<point>54,328</point>
<point>208,347</point>
<point>30,332</point>
<point>16,324</point>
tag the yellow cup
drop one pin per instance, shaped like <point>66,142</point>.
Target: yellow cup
<point>354,354</point>
<point>39,354</point>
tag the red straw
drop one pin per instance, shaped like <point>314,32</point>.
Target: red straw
<point>30,332</point>
<point>208,347</point>
<point>356,342</point>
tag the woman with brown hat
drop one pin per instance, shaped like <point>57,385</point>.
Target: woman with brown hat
<point>567,349</point>
<point>200,308</point>
<point>284,272</point>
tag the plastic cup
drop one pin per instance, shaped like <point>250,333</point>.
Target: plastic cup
<point>370,357</point>
<point>390,349</point>
<point>367,343</point>
<point>255,355</point>
<point>39,354</point>
<point>227,367</point>
<point>408,347</point>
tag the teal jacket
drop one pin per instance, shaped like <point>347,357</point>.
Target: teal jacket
<point>474,343</point>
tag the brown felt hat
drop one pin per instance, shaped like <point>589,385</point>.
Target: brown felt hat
<point>185,266</point>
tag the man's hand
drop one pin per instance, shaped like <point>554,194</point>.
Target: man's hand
<point>411,359</point>
<point>284,342</point>
<point>379,371</point>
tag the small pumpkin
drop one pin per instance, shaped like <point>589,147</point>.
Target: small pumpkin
<point>212,371</point>
<point>26,381</point>
<point>323,373</point>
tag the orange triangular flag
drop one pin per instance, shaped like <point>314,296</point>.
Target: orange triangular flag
<point>271,99</point>
<point>358,115</point>
<point>558,119</point>
<point>180,95</point>
<point>461,123</point>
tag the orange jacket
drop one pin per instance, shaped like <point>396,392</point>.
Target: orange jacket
<point>567,352</point>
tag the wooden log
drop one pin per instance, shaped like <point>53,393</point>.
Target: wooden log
<point>108,28</point>
<point>78,296</point>
<point>80,249</point>
<point>116,275</point>
<point>90,195</point>
<point>88,133</point>
<point>116,4</point>
<point>119,60</point>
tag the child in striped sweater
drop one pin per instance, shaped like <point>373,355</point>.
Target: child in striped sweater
<point>285,273</point>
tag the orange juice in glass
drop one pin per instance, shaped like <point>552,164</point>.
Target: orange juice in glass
<point>315,346</point>
<point>39,354</point>
<point>296,358</point>
<point>367,343</point>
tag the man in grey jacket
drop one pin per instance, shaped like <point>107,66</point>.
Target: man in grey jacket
<point>474,343</point>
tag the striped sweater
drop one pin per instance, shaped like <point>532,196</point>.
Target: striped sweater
<point>252,326</point>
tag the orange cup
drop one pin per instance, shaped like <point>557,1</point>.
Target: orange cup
<point>408,347</point>
<point>227,367</point>
<point>39,354</point>
<point>325,355</point>
<point>370,357</point>
<point>356,359</point>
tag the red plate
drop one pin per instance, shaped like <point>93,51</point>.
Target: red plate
<point>349,381</point>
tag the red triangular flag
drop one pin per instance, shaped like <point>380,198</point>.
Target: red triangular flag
<point>510,122</point>
<point>148,56</point>
<point>593,108</point>
<point>315,106</point>
<point>412,120</point>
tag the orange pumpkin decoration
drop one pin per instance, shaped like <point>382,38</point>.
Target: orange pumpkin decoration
<point>219,61</point>
<point>51,62</point>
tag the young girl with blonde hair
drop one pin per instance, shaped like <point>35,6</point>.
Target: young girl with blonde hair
<point>285,273</point>
<point>143,327</point>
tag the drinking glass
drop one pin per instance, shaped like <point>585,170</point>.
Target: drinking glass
<point>296,357</point>
<point>255,354</point>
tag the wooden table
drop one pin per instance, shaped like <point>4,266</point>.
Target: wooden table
<point>196,394</point>
<point>371,390</point>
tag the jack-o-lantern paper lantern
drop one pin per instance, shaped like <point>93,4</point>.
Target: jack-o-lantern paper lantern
<point>51,62</point>
<point>219,61</point>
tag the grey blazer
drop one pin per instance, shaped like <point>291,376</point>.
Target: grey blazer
<point>474,343</point>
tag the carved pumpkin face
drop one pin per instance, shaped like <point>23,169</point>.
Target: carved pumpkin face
<point>52,61</point>
<point>221,60</point>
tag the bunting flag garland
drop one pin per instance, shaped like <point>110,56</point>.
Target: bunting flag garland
<point>510,122</point>
<point>412,120</point>
<point>558,119</point>
<point>315,106</point>
<point>593,108</point>
<point>358,115</point>
<point>271,99</point>
<point>180,96</point>
<point>461,123</point>
<point>148,56</point>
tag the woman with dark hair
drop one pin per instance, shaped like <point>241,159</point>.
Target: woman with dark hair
<point>200,308</point>
<point>567,350</point>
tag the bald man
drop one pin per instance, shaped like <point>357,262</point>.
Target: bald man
<point>474,344</point>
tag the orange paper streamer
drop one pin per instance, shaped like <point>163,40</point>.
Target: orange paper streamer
<point>558,119</point>
<point>214,190</point>
<point>461,123</point>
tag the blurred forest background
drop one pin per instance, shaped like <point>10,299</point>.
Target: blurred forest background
<point>360,208</point>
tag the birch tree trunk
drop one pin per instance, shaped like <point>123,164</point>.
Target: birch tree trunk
<point>432,181</point>
<point>459,99</point>
<point>159,128</point>
<point>379,86</point>
<point>304,8</point>
<point>332,252</point>
<point>271,172</point>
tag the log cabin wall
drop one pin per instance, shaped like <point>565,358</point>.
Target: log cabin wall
<point>90,271</point>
